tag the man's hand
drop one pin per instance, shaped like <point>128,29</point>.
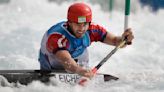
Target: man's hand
<point>89,74</point>
<point>85,72</point>
<point>128,36</point>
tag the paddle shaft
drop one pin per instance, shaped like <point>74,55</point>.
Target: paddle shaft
<point>94,70</point>
<point>127,13</point>
<point>126,24</point>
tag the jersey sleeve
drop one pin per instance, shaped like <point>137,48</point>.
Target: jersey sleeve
<point>97,33</point>
<point>56,42</point>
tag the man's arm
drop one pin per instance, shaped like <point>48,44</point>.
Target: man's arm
<point>115,40</point>
<point>58,41</point>
<point>111,39</point>
<point>69,64</point>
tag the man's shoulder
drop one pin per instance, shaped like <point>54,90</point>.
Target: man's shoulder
<point>57,41</point>
<point>57,36</point>
<point>94,26</point>
<point>57,27</point>
<point>96,32</point>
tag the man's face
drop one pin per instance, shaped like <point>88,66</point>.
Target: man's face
<point>79,29</point>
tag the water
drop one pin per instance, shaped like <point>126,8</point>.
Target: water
<point>140,66</point>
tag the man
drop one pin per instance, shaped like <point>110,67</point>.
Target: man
<point>64,45</point>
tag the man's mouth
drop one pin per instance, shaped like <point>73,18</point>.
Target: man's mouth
<point>80,32</point>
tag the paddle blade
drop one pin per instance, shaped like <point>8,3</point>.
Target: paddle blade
<point>83,81</point>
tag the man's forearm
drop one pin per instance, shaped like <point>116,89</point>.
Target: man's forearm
<point>71,65</point>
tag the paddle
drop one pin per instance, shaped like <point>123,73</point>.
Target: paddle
<point>94,70</point>
<point>127,13</point>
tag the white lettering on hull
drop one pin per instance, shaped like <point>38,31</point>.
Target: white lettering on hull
<point>68,78</point>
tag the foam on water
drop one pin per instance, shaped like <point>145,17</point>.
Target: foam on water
<point>140,66</point>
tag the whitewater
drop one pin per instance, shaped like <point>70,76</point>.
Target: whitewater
<point>139,66</point>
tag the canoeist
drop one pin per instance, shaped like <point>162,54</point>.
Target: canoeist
<point>64,45</point>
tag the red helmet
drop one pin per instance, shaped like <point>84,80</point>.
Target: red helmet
<point>79,12</point>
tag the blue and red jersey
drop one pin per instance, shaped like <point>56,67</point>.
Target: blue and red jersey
<point>58,37</point>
